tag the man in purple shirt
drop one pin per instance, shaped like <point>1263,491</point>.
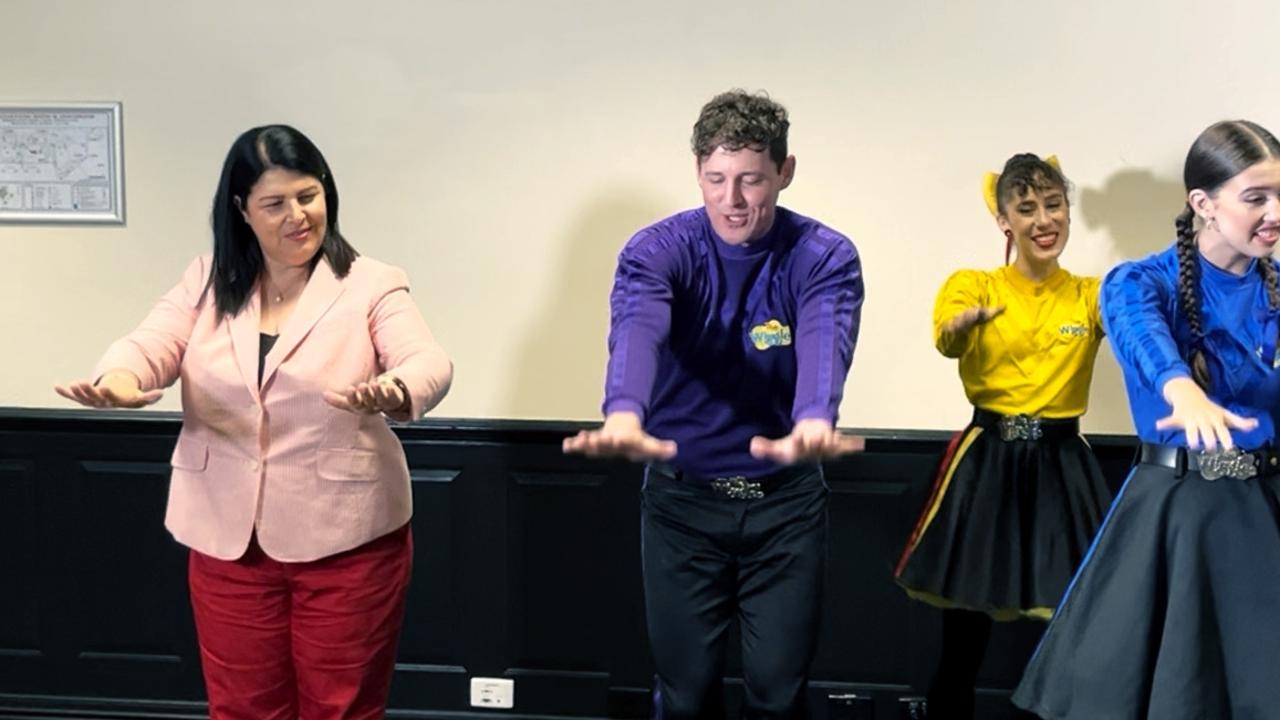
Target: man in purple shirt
<point>733,327</point>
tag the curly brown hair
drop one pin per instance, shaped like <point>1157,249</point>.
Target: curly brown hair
<point>1025,172</point>
<point>737,119</point>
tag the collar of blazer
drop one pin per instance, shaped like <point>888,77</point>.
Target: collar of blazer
<point>322,289</point>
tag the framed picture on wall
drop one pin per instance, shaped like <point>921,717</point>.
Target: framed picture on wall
<point>61,163</point>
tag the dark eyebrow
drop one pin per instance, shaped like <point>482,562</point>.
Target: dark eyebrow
<point>280,196</point>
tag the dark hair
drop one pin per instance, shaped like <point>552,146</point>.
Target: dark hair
<point>737,119</point>
<point>1025,172</point>
<point>237,257</point>
<point>1022,173</point>
<point>1223,150</point>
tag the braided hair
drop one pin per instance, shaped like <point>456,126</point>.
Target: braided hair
<point>1222,151</point>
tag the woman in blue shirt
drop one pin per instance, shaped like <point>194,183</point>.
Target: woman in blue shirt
<point>1175,611</point>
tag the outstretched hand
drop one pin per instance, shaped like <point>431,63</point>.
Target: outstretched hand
<point>368,398</point>
<point>812,439</point>
<point>972,317</point>
<point>622,435</point>
<point>1206,423</point>
<point>115,389</point>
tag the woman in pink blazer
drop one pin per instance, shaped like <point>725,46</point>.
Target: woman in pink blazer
<point>288,485</point>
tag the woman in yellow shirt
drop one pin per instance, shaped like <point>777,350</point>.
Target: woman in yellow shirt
<point>1019,494</point>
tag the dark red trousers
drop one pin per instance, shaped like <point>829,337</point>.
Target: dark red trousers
<point>301,641</point>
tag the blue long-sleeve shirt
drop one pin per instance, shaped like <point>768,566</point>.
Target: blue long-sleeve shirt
<point>1152,340</point>
<point>713,343</point>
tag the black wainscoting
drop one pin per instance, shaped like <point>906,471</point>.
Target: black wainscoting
<point>527,567</point>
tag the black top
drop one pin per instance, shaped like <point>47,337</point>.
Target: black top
<point>265,343</point>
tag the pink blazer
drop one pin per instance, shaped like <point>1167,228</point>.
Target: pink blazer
<point>312,479</point>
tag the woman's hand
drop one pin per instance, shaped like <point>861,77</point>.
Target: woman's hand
<point>1206,423</point>
<point>383,395</point>
<point>115,389</point>
<point>972,317</point>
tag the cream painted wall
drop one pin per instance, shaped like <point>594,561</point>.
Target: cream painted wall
<point>502,152</point>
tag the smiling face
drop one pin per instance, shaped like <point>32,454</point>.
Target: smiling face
<point>1241,219</point>
<point>740,191</point>
<point>1039,218</point>
<point>286,210</point>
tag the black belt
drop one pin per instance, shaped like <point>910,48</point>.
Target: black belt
<point>1026,427</point>
<point>1234,463</point>
<point>735,487</point>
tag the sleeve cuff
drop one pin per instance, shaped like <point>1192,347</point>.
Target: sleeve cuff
<point>1172,373</point>
<point>814,413</point>
<point>119,358</point>
<point>624,405</point>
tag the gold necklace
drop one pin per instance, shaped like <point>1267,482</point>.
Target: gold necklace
<point>279,298</point>
<point>273,288</point>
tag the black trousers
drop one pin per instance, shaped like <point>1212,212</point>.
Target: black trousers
<point>708,559</point>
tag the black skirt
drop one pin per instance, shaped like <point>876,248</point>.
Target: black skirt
<point>1175,612</point>
<point>1007,522</point>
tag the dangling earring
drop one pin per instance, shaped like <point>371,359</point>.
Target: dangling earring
<point>1008,245</point>
<point>1212,223</point>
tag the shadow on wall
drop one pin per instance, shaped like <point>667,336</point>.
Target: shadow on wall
<point>1136,209</point>
<point>1108,400</point>
<point>563,353</point>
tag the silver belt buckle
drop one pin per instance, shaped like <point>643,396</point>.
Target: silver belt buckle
<point>1233,463</point>
<point>738,488</point>
<point>1020,427</point>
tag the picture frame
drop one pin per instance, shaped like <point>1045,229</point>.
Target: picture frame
<point>61,163</point>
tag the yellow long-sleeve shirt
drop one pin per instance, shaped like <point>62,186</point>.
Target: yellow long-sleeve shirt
<point>1036,357</point>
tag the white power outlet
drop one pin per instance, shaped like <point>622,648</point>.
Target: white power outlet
<point>493,692</point>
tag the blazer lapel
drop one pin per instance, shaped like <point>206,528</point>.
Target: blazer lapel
<point>317,297</point>
<point>245,342</point>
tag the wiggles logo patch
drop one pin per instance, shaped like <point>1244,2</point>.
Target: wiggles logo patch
<point>770,334</point>
<point>1073,330</point>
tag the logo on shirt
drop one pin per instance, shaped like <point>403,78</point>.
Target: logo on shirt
<point>1073,330</point>
<point>770,334</point>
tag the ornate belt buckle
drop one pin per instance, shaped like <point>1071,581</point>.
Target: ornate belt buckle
<point>1233,463</point>
<point>1020,427</point>
<point>738,488</point>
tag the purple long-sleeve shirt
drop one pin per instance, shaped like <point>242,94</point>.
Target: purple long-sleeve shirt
<point>712,344</point>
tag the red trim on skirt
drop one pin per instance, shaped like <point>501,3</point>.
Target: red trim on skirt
<point>944,467</point>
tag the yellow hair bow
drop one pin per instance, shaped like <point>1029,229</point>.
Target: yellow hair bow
<point>991,179</point>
